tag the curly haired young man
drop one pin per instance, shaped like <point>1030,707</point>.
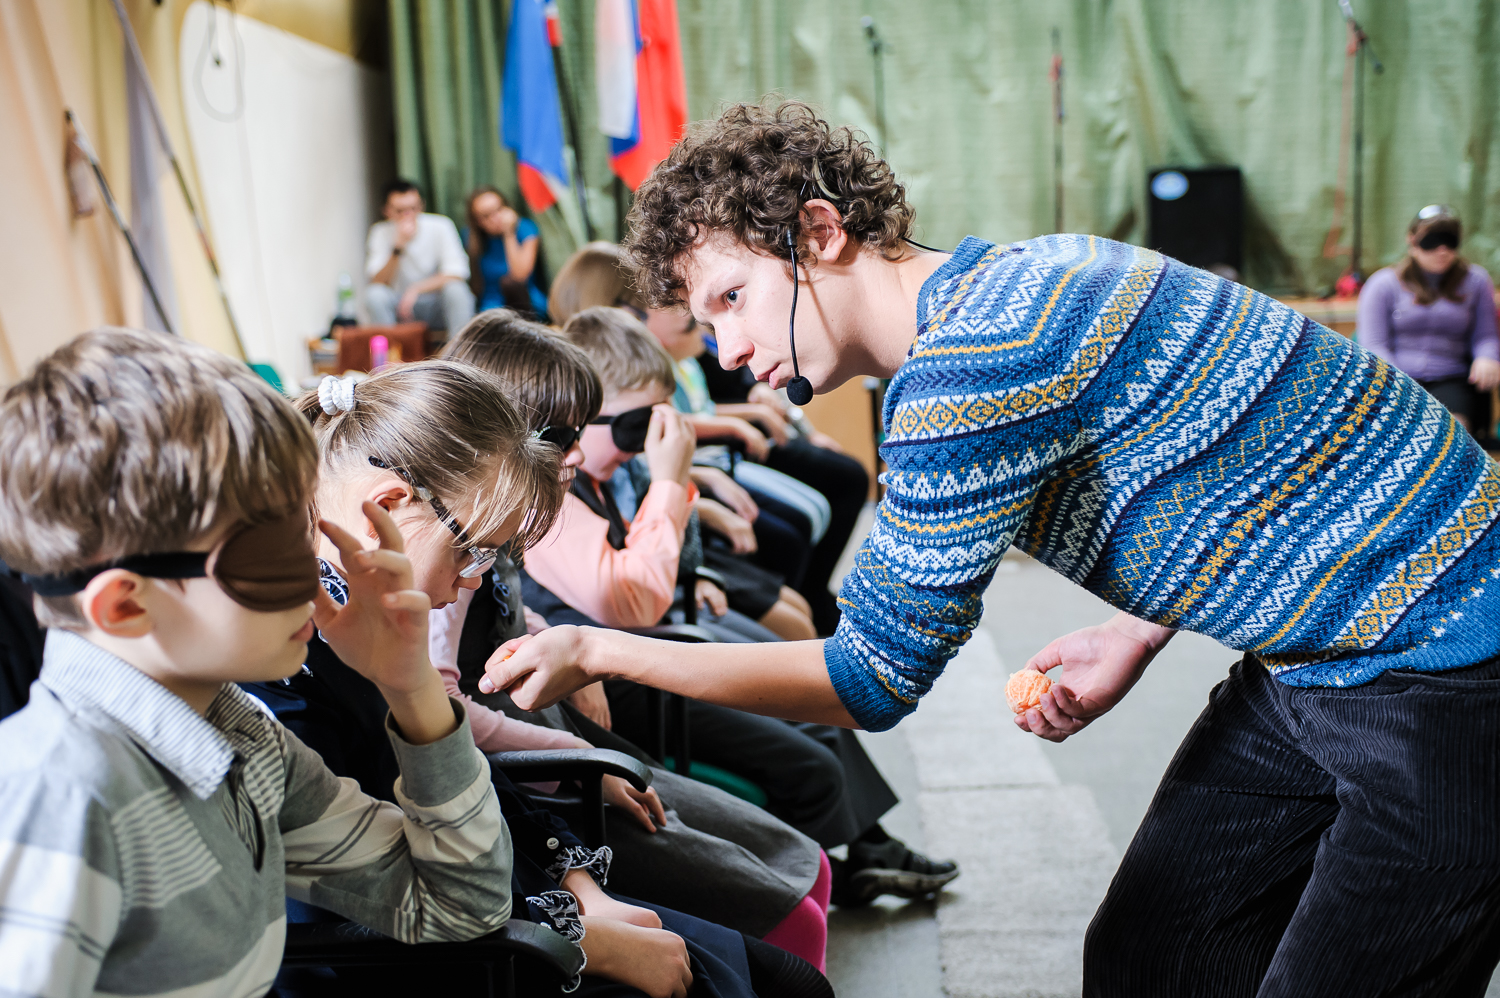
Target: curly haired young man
<point>1197,454</point>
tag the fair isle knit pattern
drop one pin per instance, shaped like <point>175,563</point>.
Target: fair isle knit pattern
<point>1193,452</point>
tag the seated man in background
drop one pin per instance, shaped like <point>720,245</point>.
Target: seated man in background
<point>416,265</point>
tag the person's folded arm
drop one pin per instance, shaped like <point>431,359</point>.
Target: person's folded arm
<point>434,866</point>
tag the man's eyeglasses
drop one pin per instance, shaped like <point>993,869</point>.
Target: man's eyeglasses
<point>561,437</point>
<point>479,559</point>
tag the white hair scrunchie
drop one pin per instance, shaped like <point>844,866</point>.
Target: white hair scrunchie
<point>336,395</point>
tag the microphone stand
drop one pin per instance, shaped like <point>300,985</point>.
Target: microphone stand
<point>1362,47</point>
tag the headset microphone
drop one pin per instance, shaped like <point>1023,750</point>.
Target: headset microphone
<point>799,390</point>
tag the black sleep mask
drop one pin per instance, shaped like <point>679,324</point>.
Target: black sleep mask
<point>266,567</point>
<point>628,428</point>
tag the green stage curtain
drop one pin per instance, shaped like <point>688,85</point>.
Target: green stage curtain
<point>1256,84</point>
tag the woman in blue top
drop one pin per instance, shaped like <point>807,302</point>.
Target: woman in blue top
<point>1195,453</point>
<point>502,254</point>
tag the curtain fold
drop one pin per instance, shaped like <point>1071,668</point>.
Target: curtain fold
<point>1149,83</point>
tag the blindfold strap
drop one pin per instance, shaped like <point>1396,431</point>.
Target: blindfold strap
<point>167,565</point>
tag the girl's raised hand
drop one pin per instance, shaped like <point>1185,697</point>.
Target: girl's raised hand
<point>382,631</point>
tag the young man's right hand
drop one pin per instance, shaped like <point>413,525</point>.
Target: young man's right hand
<point>405,231</point>
<point>670,442</point>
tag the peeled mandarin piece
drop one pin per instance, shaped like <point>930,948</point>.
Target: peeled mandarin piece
<point>1024,689</point>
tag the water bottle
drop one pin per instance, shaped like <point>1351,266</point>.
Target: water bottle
<point>380,352</point>
<point>345,313</point>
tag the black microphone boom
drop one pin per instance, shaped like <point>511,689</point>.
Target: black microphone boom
<point>799,390</point>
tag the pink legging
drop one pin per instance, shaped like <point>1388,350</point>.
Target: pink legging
<point>804,932</point>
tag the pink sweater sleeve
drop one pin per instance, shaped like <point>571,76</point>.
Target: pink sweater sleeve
<point>631,587</point>
<point>493,731</point>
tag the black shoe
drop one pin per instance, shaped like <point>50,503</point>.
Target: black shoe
<point>887,868</point>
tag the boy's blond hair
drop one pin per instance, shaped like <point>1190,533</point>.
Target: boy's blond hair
<point>551,378</point>
<point>623,351</point>
<point>126,442</point>
<point>451,428</point>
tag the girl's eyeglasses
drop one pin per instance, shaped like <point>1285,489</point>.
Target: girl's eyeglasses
<point>478,559</point>
<point>561,437</point>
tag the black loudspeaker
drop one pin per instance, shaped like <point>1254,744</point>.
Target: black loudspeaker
<point>1198,216</point>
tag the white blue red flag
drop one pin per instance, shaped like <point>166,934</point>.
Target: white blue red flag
<point>530,115</point>
<point>642,91</point>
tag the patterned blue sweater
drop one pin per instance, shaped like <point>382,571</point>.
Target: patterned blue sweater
<point>1193,452</point>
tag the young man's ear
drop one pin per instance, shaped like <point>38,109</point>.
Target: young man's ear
<point>112,603</point>
<point>823,228</point>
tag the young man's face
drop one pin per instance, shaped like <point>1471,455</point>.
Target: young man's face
<point>746,298</point>
<point>601,458</point>
<point>403,204</point>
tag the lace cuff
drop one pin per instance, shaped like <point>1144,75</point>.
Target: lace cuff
<point>561,911</point>
<point>596,861</point>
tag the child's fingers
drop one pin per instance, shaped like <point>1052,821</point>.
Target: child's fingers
<point>347,543</point>
<point>382,560</point>
<point>325,608</point>
<point>408,600</point>
<point>654,805</point>
<point>385,527</point>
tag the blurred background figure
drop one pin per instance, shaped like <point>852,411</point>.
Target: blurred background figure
<point>502,249</point>
<point>1432,314</point>
<point>416,265</point>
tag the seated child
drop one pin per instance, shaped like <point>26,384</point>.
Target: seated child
<point>818,778</point>
<point>742,859</point>
<point>156,496</point>
<point>770,515</point>
<point>439,449</point>
<point>624,575</point>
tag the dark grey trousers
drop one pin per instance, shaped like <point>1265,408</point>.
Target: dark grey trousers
<point>1316,842</point>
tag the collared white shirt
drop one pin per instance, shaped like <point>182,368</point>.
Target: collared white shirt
<point>435,249</point>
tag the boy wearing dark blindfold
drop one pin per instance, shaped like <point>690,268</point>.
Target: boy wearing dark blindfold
<point>156,496</point>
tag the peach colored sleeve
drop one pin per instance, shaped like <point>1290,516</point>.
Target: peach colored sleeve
<point>493,731</point>
<point>631,587</point>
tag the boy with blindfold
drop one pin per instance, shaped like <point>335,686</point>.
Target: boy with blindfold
<point>156,497</point>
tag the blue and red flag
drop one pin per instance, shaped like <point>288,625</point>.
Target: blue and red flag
<point>530,116</point>
<point>642,90</point>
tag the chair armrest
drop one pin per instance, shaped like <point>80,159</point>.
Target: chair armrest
<point>348,944</point>
<point>691,633</point>
<point>709,575</point>
<point>570,764</point>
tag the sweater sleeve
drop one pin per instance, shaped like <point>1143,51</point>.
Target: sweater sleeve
<point>1373,315</point>
<point>493,731</point>
<point>631,587</point>
<point>951,509</point>
<point>1485,340</point>
<point>434,866</point>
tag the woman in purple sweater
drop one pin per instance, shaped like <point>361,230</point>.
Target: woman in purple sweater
<point>1433,316</point>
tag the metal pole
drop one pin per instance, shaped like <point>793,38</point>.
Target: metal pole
<point>1357,241</point>
<point>877,53</point>
<point>570,118</point>
<point>1362,48</point>
<point>1057,131</point>
<point>161,133</point>
<point>120,223</point>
